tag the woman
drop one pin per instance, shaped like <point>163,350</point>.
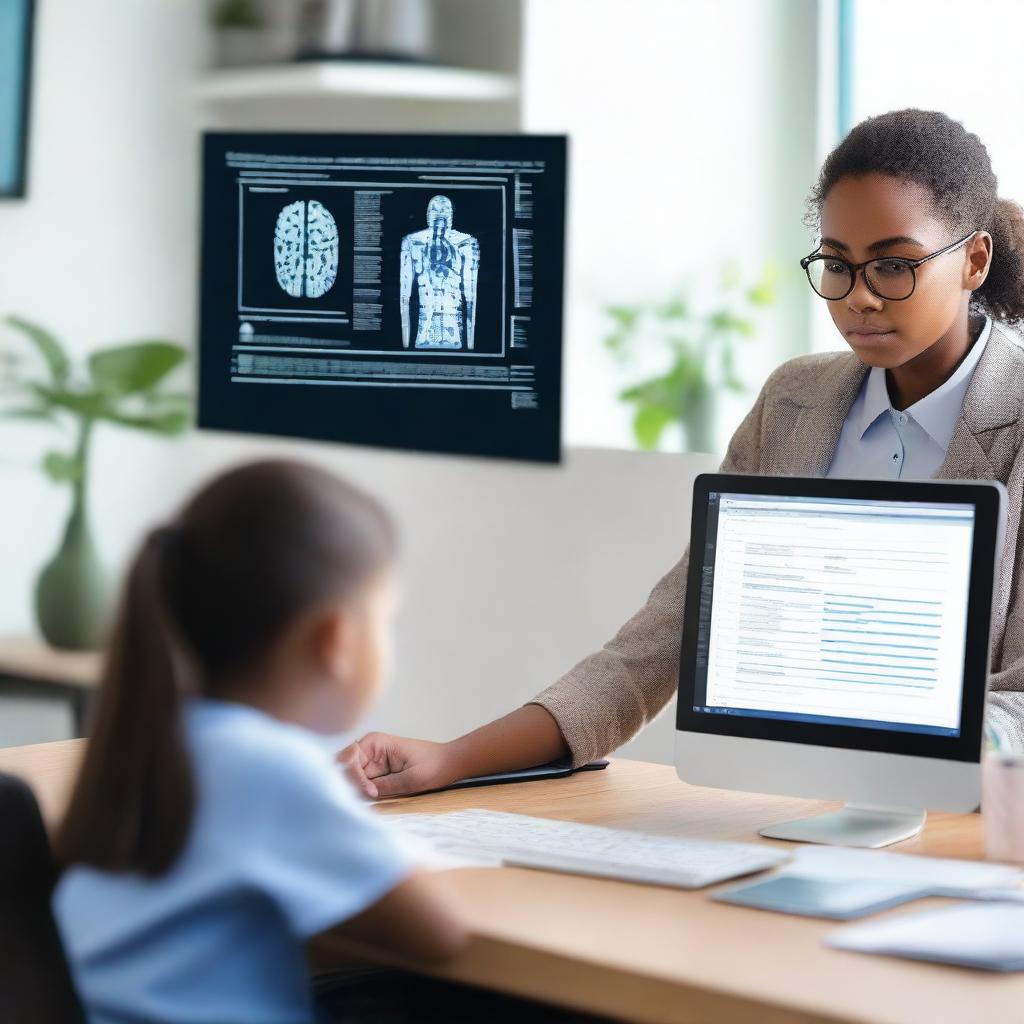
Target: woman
<point>922,267</point>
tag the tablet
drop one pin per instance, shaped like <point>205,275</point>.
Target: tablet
<point>551,770</point>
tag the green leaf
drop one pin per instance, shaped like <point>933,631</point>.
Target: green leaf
<point>129,369</point>
<point>761,294</point>
<point>625,316</point>
<point>646,391</point>
<point>62,469</point>
<point>180,399</point>
<point>649,423</point>
<point>92,404</point>
<point>28,413</point>
<point>49,348</point>
<point>675,309</point>
<point>169,423</point>
<point>720,320</point>
<point>616,343</point>
<point>171,416</point>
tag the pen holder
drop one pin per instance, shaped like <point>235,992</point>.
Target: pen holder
<point>1002,806</point>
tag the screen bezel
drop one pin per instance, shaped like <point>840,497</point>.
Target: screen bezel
<point>985,498</point>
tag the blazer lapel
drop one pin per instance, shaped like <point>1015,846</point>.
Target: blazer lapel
<point>965,458</point>
<point>994,396</point>
<point>990,403</point>
<point>813,419</point>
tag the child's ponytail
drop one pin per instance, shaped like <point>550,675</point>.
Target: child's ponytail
<point>204,602</point>
<point>132,804</point>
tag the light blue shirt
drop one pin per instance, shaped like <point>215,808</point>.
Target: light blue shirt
<point>281,848</point>
<point>883,443</point>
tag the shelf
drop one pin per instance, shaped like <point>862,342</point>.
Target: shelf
<point>367,79</point>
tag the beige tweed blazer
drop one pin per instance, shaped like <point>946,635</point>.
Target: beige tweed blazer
<point>792,430</point>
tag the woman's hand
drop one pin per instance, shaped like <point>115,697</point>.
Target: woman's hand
<point>383,766</point>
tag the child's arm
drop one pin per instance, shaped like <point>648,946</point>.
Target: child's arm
<point>382,765</point>
<point>414,922</point>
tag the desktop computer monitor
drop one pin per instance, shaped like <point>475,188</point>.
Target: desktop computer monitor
<point>836,646</point>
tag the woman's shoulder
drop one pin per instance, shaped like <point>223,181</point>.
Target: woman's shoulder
<point>805,376</point>
<point>1009,340</point>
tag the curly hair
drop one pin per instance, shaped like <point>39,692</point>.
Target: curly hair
<point>930,148</point>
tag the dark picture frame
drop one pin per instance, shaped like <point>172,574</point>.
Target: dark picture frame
<point>17,23</point>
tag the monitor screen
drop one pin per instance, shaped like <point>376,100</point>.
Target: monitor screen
<point>401,291</point>
<point>834,611</point>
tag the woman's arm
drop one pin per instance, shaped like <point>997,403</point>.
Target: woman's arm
<point>594,708</point>
<point>386,766</point>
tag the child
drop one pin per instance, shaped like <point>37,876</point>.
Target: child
<point>210,834</point>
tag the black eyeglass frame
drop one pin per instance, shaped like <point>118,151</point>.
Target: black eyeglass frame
<point>855,268</point>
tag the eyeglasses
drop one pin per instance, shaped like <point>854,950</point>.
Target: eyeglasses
<point>889,277</point>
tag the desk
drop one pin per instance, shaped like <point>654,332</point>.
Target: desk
<point>29,666</point>
<point>659,955</point>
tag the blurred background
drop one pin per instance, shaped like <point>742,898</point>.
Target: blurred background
<point>696,131</point>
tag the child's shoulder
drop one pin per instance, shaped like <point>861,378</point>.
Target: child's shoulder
<point>237,747</point>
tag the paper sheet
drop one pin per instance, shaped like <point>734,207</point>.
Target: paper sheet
<point>988,937</point>
<point>943,876</point>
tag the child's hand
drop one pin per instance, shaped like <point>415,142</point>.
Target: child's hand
<point>383,766</point>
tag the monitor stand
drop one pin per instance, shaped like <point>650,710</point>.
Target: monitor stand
<point>850,826</point>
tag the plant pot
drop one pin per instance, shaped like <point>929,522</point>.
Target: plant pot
<point>397,29</point>
<point>699,423</point>
<point>72,592</point>
<point>241,47</point>
<point>328,28</point>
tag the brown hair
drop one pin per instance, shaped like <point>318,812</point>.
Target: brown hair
<point>932,149</point>
<point>205,597</point>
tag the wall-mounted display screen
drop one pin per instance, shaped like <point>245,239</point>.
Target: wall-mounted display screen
<point>401,291</point>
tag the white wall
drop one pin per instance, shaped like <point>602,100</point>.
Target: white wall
<point>693,137</point>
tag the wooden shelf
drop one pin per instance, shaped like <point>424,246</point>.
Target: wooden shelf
<point>30,658</point>
<point>363,79</point>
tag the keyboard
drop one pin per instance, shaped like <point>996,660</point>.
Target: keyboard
<point>519,840</point>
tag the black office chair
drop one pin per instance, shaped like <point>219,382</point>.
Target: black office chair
<point>35,983</point>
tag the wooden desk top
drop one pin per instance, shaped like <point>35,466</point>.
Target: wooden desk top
<point>28,657</point>
<point>659,955</point>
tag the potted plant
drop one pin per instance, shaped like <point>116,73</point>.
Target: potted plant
<point>241,36</point>
<point>124,385</point>
<point>701,352</point>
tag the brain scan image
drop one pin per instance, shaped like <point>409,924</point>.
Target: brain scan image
<point>306,249</point>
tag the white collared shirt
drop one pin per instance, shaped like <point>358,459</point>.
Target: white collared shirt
<point>883,443</point>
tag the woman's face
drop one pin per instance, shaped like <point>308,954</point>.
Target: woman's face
<point>878,215</point>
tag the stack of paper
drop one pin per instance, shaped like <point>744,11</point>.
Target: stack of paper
<point>940,876</point>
